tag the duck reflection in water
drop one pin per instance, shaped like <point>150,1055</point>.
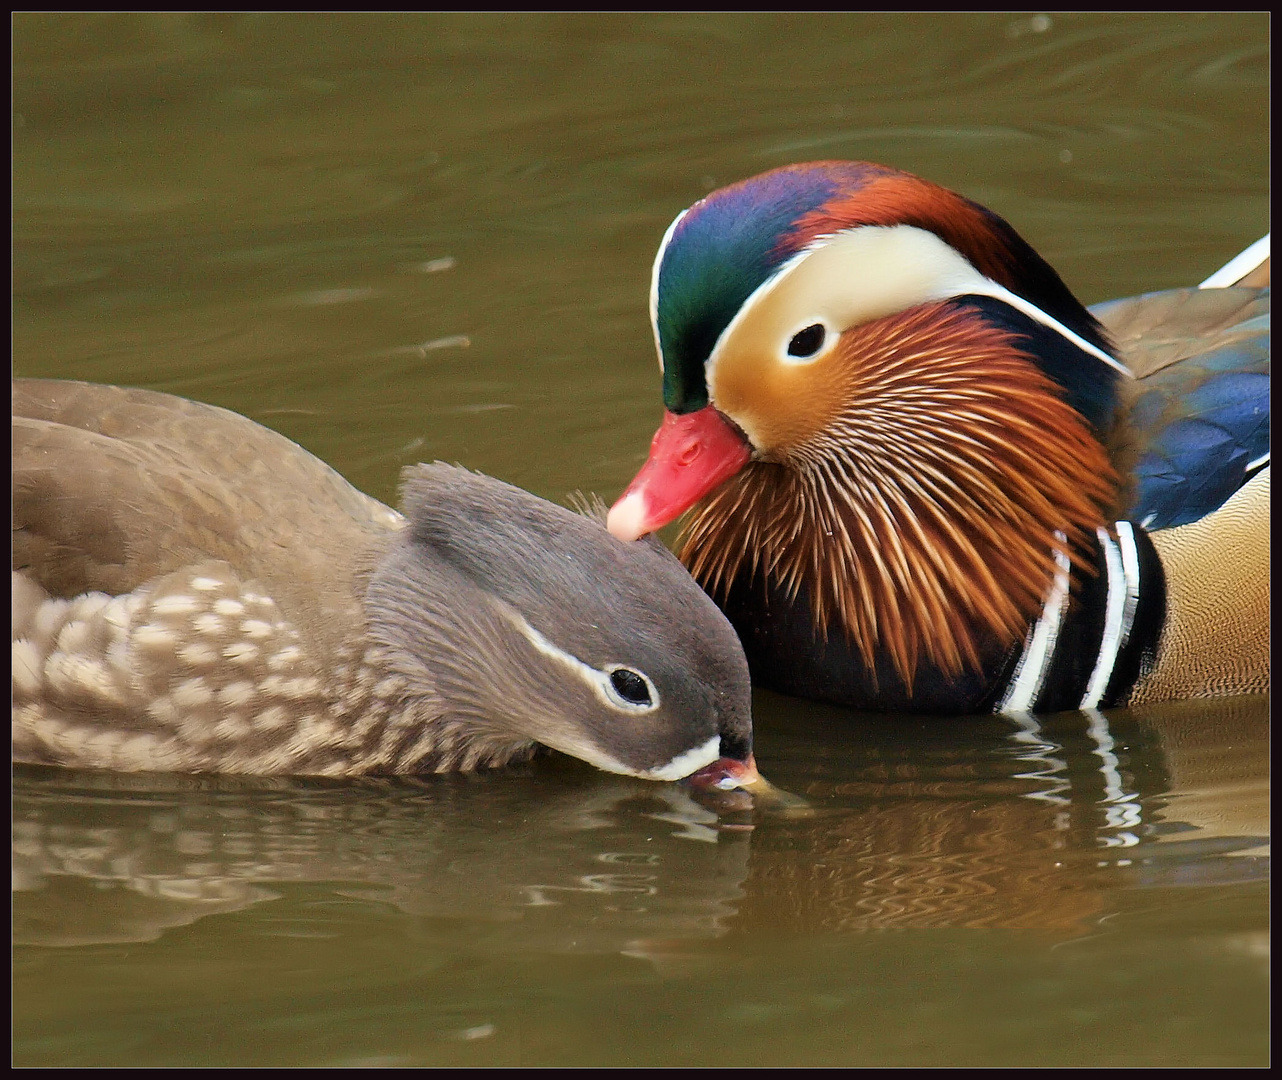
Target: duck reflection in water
<point>1032,825</point>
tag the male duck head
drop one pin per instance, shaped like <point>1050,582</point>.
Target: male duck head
<point>196,593</point>
<point>892,415</point>
<point>844,340</point>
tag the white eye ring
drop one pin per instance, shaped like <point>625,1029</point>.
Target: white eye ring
<point>616,699</point>
<point>811,341</point>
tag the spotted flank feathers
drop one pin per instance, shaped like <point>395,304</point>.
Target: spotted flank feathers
<point>196,672</point>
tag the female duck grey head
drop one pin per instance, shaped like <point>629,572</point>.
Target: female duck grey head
<point>193,592</point>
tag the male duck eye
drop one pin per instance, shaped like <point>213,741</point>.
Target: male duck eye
<point>807,342</point>
<point>630,686</point>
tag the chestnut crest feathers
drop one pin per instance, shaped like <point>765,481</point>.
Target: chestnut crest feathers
<point>724,248</point>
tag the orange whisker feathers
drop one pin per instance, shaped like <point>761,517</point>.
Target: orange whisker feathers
<point>922,521</point>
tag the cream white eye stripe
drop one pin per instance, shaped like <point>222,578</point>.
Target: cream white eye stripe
<point>596,678</point>
<point>854,277</point>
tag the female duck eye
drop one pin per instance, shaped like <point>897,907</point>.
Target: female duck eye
<point>630,686</point>
<point>807,342</point>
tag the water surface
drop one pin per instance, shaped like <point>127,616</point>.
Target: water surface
<point>401,238</point>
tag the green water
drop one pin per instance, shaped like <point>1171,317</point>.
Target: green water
<point>401,238</point>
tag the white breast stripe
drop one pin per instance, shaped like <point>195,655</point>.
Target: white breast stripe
<point>1040,650</point>
<point>1114,618</point>
<point>1131,567</point>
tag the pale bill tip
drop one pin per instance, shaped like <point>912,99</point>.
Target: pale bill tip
<point>626,519</point>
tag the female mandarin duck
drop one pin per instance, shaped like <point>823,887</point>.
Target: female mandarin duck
<point>926,478</point>
<point>195,593</point>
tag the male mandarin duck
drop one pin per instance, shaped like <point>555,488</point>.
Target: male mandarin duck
<point>196,593</point>
<point>926,478</point>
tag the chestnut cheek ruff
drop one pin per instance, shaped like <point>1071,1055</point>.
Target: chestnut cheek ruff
<point>925,518</point>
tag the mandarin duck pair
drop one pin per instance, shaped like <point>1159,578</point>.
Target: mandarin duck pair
<point>924,477</point>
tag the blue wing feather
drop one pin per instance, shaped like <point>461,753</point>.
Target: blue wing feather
<point>1199,418</point>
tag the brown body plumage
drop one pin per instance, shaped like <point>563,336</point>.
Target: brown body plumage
<point>194,592</point>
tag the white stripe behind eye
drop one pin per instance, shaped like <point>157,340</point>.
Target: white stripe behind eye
<point>998,292</point>
<point>595,677</point>
<point>680,766</point>
<point>876,270</point>
<point>1040,649</point>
